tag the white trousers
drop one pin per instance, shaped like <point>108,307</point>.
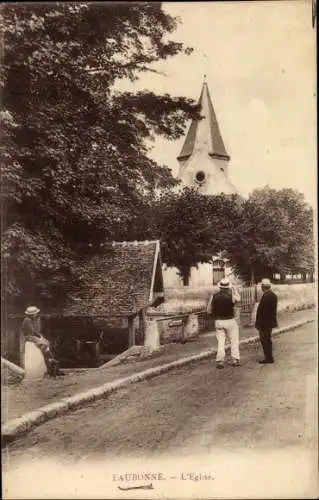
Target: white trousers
<point>230,328</point>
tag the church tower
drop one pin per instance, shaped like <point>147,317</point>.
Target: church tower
<point>203,160</point>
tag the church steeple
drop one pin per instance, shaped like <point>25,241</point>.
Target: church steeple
<point>203,159</point>
<point>204,133</point>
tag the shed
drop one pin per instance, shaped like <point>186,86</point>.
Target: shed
<point>122,282</point>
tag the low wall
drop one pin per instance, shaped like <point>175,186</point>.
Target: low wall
<point>295,297</point>
<point>290,298</point>
<point>186,299</point>
<point>181,302</point>
<point>173,328</point>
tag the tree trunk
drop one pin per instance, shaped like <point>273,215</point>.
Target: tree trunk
<point>185,273</point>
<point>185,280</point>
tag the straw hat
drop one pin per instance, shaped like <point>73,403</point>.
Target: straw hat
<point>31,311</point>
<point>224,284</point>
<point>266,282</point>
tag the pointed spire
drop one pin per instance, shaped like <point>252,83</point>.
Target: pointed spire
<point>204,134</point>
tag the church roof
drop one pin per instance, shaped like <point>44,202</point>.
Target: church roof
<point>120,282</point>
<point>204,133</point>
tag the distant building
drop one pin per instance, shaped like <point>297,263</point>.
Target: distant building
<point>204,164</point>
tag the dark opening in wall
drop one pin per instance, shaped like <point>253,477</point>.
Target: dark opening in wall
<point>200,177</point>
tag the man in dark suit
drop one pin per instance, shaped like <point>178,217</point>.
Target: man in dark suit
<point>266,319</point>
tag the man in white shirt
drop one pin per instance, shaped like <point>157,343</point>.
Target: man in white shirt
<point>222,309</point>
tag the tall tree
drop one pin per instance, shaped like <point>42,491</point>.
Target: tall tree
<point>192,227</point>
<point>276,234</point>
<point>270,232</point>
<point>75,151</point>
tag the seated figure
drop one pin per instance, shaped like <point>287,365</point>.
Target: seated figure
<point>31,332</point>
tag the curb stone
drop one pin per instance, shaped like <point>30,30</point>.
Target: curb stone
<point>22,425</point>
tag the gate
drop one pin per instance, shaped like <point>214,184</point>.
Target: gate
<point>248,299</point>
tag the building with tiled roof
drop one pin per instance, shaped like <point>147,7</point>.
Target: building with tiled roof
<point>117,286</point>
<point>120,282</point>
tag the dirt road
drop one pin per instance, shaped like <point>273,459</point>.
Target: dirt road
<point>248,430</point>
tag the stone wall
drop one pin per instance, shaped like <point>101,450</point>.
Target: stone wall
<point>182,302</point>
<point>292,297</point>
<point>295,297</point>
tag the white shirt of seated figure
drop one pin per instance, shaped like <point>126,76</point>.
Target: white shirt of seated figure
<point>34,364</point>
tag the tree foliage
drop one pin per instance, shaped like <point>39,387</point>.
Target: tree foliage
<point>275,235</point>
<point>75,156</point>
<point>192,227</point>
<point>195,227</point>
<point>270,232</point>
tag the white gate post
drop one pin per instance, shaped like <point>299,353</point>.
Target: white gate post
<point>152,337</point>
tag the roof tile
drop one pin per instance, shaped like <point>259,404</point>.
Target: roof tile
<point>116,283</point>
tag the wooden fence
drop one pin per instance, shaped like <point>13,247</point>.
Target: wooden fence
<point>248,299</point>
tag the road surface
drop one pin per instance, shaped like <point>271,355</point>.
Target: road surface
<point>243,432</point>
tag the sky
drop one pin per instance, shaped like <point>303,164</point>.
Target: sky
<point>260,62</point>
